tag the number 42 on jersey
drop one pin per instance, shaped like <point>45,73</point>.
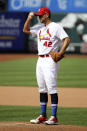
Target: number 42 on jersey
<point>47,44</point>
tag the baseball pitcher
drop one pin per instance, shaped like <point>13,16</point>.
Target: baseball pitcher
<point>49,35</point>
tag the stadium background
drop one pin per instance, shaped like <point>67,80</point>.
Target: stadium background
<point>17,65</point>
<point>13,14</point>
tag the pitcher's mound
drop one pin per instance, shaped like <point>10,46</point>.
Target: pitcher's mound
<point>25,126</point>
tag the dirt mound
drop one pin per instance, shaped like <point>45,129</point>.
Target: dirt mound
<point>21,126</point>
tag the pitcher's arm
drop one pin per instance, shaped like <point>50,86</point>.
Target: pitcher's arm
<point>65,45</point>
<point>26,28</point>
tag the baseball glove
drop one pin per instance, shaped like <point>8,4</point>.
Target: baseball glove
<point>56,56</point>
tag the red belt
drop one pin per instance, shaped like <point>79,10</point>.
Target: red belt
<point>47,55</point>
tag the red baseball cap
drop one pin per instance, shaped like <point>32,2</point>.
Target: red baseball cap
<point>43,11</point>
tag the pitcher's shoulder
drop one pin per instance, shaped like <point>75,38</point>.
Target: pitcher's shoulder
<point>56,25</point>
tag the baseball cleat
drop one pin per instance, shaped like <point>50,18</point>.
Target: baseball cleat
<point>52,121</point>
<point>39,120</point>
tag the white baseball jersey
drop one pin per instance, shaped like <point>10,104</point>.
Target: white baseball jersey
<point>48,37</point>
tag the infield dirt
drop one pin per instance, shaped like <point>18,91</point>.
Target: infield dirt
<point>68,97</point>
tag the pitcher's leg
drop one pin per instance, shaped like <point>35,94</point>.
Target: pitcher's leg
<point>43,103</point>
<point>51,82</point>
<point>42,90</point>
<point>40,78</point>
<point>51,74</point>
<point>54,102</point>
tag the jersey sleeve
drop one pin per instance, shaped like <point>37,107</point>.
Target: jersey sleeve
<point>61,34</point>
<point>34,30</point>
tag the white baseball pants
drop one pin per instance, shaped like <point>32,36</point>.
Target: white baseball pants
<point>46,73</point>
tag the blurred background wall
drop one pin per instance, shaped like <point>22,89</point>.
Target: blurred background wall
<point>72,15</point>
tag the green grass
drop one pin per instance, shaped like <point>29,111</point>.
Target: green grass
<point>18,72</point>
<point>70,116</point>
<point>72,73</point>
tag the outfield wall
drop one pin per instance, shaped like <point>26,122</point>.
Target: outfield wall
<point>13,14</point>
